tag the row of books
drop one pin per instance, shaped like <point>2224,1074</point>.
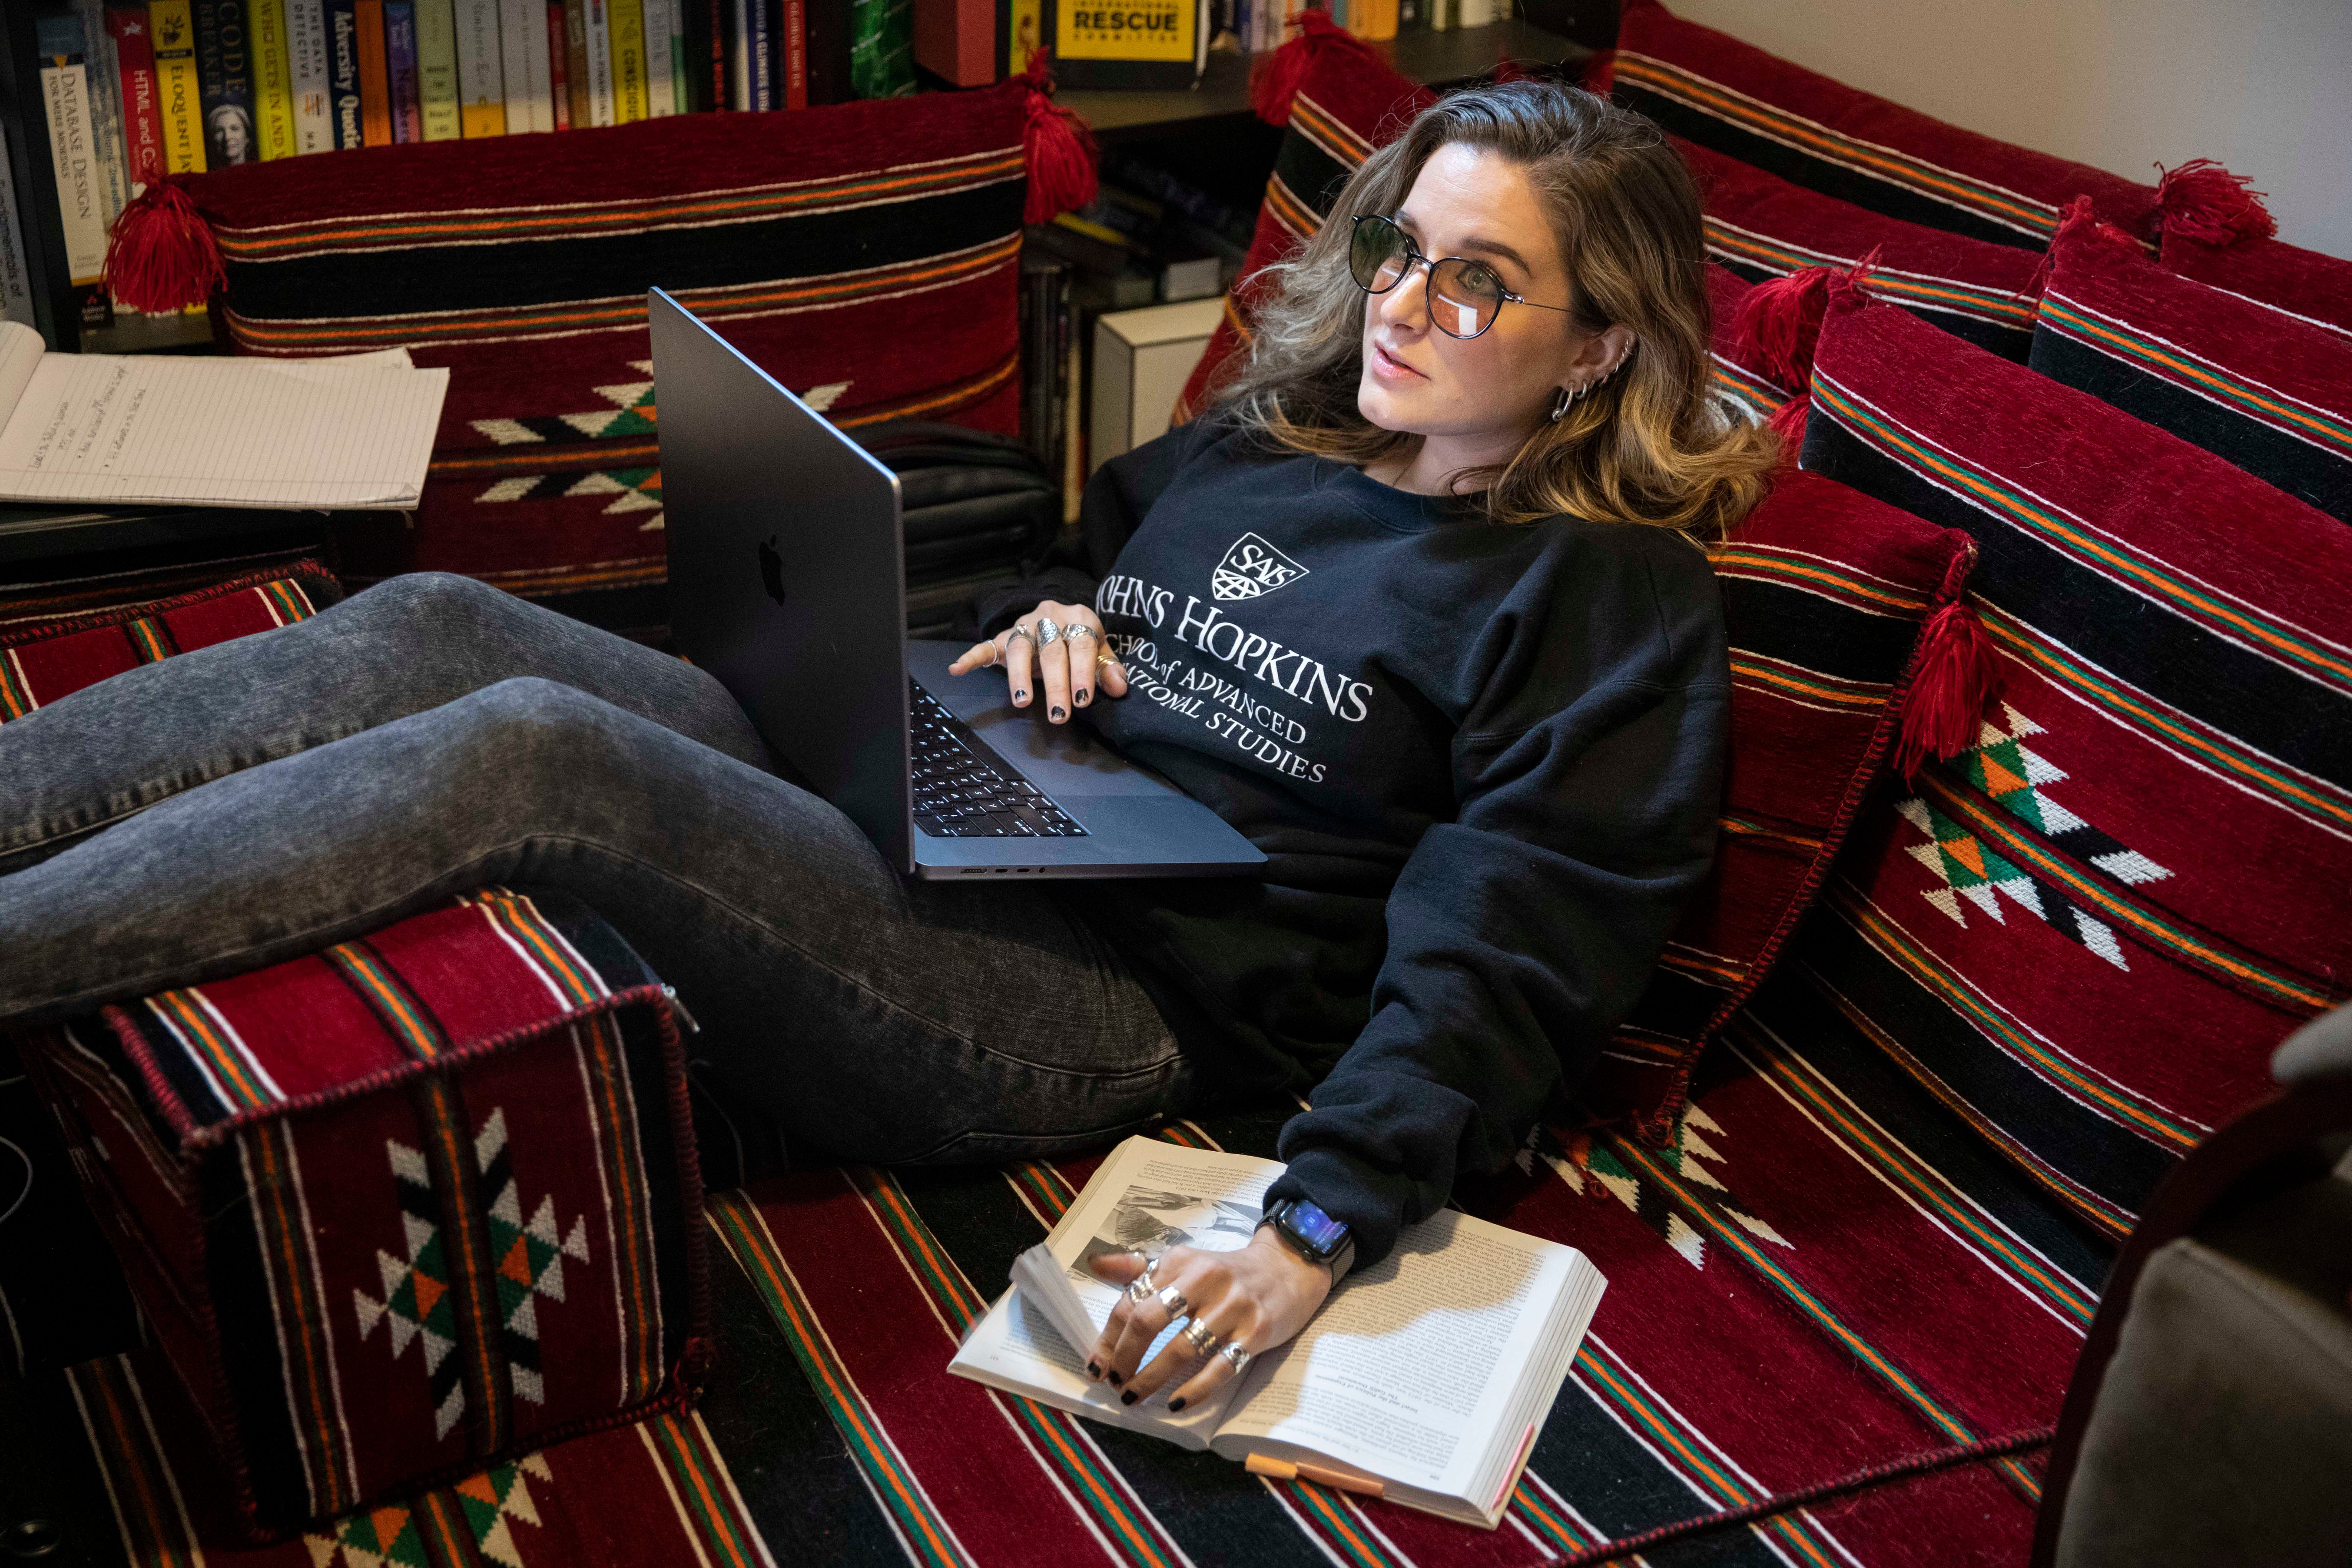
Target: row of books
<point>131,91</point>
<point>1257,25</point>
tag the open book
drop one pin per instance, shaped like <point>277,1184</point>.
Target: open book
<point>354,431</point>
<point>1430,1371</point>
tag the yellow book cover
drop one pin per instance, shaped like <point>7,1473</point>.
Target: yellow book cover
<point>1374,21</point>
<point>628,22</point>
<point>436,69</point>
<point>273,78</point>
<point>1139,44</point>
<point>179,97</point>
<point>1023,34</point>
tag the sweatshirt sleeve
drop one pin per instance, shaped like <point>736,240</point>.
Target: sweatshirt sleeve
<point>1522,931</point>
<point>1110,509</point>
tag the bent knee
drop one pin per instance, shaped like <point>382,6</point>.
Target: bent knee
<point>429,594</point>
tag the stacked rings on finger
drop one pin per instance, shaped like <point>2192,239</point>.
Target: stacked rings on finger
<point>1048,634</point>
<point>1173,1300</point>
<point>1021,632</point>
<point>1078,629</point>
<point>1200,1337</point>
<point>1237,1353</point>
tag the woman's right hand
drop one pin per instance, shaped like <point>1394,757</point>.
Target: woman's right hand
<point>1069,682</point>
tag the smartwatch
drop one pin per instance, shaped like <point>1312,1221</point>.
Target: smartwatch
<point>1314,1235</point>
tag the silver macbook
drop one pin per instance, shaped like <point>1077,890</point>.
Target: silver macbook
<point>787,582</point>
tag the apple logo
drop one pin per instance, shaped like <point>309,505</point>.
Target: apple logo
<point>772,569</point>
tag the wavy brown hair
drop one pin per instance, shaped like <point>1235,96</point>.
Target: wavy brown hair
<point>1647,445</point>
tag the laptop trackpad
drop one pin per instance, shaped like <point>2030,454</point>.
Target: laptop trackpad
<point>1064,759</point>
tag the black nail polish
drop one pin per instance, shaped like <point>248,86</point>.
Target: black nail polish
<point>1080,700</point>
<point>1093,1371</point>
<point>1058,715</point>
<point>1113,1377</point>
<point>1021,697</point>
<point>1128,1398</point>
<point>1174,1406</point>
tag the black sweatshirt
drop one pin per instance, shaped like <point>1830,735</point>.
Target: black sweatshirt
<point>1484,761</point>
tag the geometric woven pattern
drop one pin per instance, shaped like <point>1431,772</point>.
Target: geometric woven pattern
<point>416,1289</point>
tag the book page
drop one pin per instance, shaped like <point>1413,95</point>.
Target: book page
<point>1408,1370</point>
<point>20,356</point>
<point>230,432</point>
<point>1149,1196</point>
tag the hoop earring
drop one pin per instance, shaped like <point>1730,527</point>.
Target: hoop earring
<point>1559,405</point>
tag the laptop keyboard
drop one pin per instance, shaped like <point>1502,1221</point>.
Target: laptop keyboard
<point>962,792</point>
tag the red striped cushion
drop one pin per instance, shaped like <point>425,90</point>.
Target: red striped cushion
<point>1763,226</point>
<point>42,662</point>
<point>2304,283</point>
<point>2087,932</point>
<point>2264,389</point>
<point>402,1208</point>
<point>1710,88</point>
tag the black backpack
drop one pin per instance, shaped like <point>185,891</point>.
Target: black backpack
<point>980,512</point>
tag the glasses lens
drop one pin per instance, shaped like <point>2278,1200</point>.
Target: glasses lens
<point>1464,297</point>
<point>1377,257</point>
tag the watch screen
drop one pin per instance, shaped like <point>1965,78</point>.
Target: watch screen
<point>1319,1230</point>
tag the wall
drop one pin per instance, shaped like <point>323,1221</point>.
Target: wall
<point>2264,85</point>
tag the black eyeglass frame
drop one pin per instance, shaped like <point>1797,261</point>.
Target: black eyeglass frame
<point>1413,258</point>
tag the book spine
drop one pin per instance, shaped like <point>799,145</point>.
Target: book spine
<point>715,65</point>
<point>172,34</point>
<point>375,78</point>
<point>738,55</point>
<point>399,70</point>
<point>437,70</point>
<point>760,48</point>
<point>1412,16</point>
<point>599,64</point>
<point>793,25</point>
<point>558,65</point>
<point>142,116</point>
<point>681,68</point>
<point>1375,20</point>
<point>628,20</point>
<point>481,79</point>
<point>306,75</point>
<point>273,85</point>
<point>73,158</point>
<point>15,273</point>
<point>1473,13</point>
<point>523,49</point>
<point>105,76</point>
<point>661,85</point>
<point>1024,30</point>
<point>576,62</point>
<point>344,106</point>
<point>224,69</point>
<point>828,51</point>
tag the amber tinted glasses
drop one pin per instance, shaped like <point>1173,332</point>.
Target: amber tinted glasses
<point>1463,296</point>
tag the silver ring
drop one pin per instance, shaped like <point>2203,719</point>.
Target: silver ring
<point>1078,629</point>
<point>1139,1288</point>
<point>1173,1299</point>
<point>1237,1353</point>
<point>1200,1337</point>
<point>1021,632</point>
<point>1048,633</point>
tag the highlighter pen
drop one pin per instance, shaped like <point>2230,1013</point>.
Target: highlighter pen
<point>1338,1480</point>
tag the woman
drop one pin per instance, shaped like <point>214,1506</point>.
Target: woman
<point>1419,609</point>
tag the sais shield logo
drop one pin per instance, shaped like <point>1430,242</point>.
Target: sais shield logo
<point>1252,567</point>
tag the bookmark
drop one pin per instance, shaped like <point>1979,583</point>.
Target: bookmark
<point>1337,1481</point>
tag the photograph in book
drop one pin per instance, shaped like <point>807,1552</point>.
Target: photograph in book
<point>1428,1372</point>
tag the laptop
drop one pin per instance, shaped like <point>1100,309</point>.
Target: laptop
<point>787,582</point>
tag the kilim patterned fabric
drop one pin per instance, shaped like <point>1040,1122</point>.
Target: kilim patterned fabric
<point>1784,1278</point>
<point>865,254</point>
<point>649,1493</point>
<point>2086,934</point>
<point>1824,593</point>
<point>2301,282</point>
<point>41,662</point>
<point>1762,227</point>
<point>1711,88</point>
<point>1744,388</point>
<point>404,1207</point>
<point>2246,381</point>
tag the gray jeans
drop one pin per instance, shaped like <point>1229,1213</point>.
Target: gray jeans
<point>245,802</point>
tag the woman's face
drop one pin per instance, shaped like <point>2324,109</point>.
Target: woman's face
<point>1492,389</point>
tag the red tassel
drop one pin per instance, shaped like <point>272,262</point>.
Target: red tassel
<point>1600,71</point>
<point>1276,78</point>
<point>2204,202</point>
<point>162,255</point>
<point>1780,320</point>
<point>1058,148</point>
<point>1956,676</point>
<point>1789,419</point>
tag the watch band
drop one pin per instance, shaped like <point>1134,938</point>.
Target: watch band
<point>1338,1257</point>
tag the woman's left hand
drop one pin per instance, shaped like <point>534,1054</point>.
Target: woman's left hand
<point>1260,1296</point>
